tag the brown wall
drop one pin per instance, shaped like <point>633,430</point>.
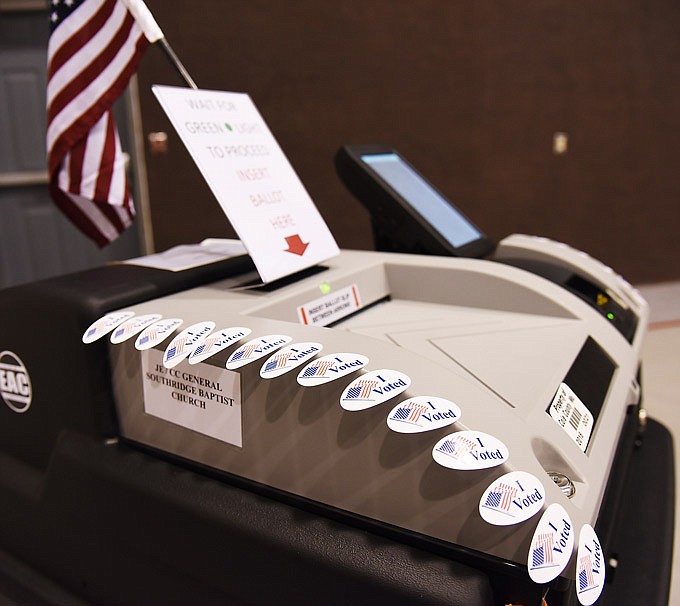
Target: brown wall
<point>470,92</point>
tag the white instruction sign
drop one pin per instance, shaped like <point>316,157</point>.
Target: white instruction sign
<point>251,178</point>
<point>204,398</point>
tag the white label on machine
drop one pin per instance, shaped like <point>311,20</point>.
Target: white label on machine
<point>330,367</point>
<point>466,450</point>
<point>512,498</point>
<point>422,413</point>
<point>572,415</point>
<point>590,567</point>
<point>203,398</point>
<point>374,388</point>
<point>330,308</point>
<point>551,546</point>
<point>289,358</point>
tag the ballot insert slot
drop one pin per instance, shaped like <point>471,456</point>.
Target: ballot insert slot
<point>605,302</point>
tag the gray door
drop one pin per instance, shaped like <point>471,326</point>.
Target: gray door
<point>36,240</point>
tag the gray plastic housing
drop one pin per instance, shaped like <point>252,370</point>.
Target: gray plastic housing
<point>495,340</point>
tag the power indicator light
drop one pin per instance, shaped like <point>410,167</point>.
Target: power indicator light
<point>611,316</point>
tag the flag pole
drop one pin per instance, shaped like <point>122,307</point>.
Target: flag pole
<point>153,33</point>
<point>174,59</point>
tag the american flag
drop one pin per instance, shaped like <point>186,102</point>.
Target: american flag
<point>410,413</point>
<point>543,553</point>
<point>93,51</point>
<point>206,346</point>
<point>244,352</point>
<point>279,360</point>
<point>319,369</point>
<point>585,574</point>
<point>177,348</point>
<point>457,446</point>
<point>362,390</point>
<point>146,336</point>
<point>502,497</point>
<point>125,329</point>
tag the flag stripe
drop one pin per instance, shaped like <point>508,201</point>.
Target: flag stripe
<point>63,31</point>
<point>91,159</point>
<point>85,215</point>
<point>104,176</point>
<point>74,120</point>
<point>66,41</point>
<point>75,168</point>
<point>100,62</point>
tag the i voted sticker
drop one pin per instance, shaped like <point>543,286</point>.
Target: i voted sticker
<point>256,349</point>
<point>551,546</point>
<point>512,498</point>
<point>374,388</point>
<point>131,327</point>
<point>157,333</point>
<point>330,367</point>
<point>422,413</point>
<point>289,358</point>
<point>467,450</point>
<point>183,344</point>
<point>216,342</point>
<point>590,567</point>
<point>105,325</point>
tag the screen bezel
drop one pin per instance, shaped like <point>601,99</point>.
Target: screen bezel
<point>477,248</point>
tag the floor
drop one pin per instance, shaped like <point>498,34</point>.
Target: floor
<point>661,381</point>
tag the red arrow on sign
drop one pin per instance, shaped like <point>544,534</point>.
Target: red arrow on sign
<point>296,245</point>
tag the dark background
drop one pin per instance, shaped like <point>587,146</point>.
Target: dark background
<point>471,93</point>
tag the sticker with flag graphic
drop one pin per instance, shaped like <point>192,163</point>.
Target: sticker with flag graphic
<point>513,498</point>
<point>133,326</point>
<point>590,567</point>
<point>157,333</point>
<point>104,325</point>
<point>374,388</point>
<point>330,367</point>
<point>466,450</point>
<point>422,413</point>
<point>183,344</point>
<point>256,349</point>
<point>551,546</point>
<point>218,341</point>
<point>289,358</point>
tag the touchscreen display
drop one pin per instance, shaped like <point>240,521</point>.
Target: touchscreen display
<point>435,209</point>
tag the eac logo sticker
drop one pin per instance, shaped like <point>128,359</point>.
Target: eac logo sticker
<point>15,384</point>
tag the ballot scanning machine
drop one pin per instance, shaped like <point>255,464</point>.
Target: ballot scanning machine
<point>385,428</point>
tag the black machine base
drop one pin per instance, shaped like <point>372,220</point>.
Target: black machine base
<point>109,524</point>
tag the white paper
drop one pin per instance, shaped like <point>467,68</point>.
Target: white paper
<point>187,256</point>
<point>250,176</point>
<point>204,398</point>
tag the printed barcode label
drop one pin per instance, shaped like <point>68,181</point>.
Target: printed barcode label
<point>575,419</point>
<point>572,415</point>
